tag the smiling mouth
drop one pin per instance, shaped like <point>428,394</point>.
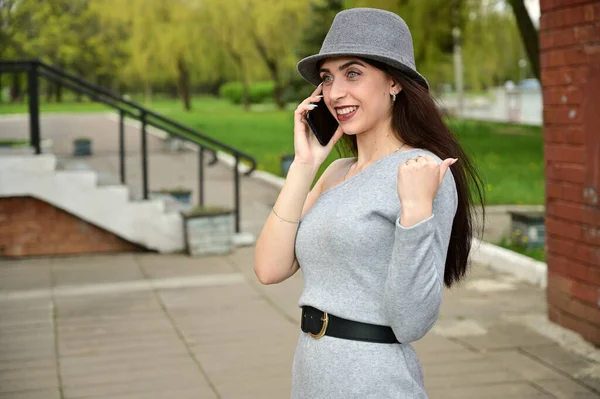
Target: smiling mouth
<point>345,113</point>
<point>345,110</point>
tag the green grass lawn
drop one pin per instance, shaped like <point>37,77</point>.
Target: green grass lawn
<point>509,157</point>
<point>535,253</point>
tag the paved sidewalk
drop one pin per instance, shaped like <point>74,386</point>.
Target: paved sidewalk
<point>152,326</point>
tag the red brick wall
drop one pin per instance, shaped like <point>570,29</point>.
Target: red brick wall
<point>31,227</point>
<point>570,66</point>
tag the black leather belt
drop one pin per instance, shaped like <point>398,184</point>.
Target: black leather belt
<point>317,324</point>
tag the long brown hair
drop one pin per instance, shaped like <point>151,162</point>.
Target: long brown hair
<point>418,122</point>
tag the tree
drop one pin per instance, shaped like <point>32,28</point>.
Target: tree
<point>164,39</point>
<point>529,35</point>
<point>431,23</point>
<point>64,33</point>
<point>228,25</point>
<point>275,28</point>
<point>321,15</point>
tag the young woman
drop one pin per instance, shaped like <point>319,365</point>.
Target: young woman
<point>380,233</point>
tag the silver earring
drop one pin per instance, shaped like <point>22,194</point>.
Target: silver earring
<point>394,96</point>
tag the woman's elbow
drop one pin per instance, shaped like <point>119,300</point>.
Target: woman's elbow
<point>416,331</point>
<point>263,276</point>
<point>415,323</point>
<point>267,275</point>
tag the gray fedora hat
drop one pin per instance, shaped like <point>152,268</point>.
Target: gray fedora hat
<point>368,33</point>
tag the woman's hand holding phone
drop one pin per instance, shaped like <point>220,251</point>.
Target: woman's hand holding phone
<point>307,149</point>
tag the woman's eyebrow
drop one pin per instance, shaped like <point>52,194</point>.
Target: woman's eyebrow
<point>344,66</point>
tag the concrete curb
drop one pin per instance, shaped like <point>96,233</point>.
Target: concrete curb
<point>507,261</point>
<point>483,253</point>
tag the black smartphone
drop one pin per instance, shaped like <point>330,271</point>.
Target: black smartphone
<point>322,123</point>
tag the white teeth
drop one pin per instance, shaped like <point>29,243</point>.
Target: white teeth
<point>347,110</point>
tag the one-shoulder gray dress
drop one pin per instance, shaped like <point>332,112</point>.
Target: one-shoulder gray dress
<point>359,263</point>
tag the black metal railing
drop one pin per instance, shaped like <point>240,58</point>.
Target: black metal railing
<point>127,109</point>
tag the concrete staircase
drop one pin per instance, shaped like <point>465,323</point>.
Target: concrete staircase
<point>147,223</point>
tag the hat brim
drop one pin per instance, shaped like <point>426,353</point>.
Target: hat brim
<point>307,67</point>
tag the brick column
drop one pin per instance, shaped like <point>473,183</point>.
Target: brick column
<point>570,66</point>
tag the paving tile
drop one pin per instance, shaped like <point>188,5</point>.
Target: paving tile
<point>26,338</point>
<point>433,343</point>
<point>451,357</point>
<point>193,393</point>
<point>260,389</point>
<point>33,372</point>
<point>25,384</point>
<point>73,342</point>
<point>172,345</point>
<point>25,318</point>
<point>180,265</point>
<point>32,394</point>
<point>474,379</point>
<point>25,275</point>
<point>566,388</point>
<point>121,356</point>
<point>42,349</point>
<point>464,368</point>
<point>512,390</point>
<point>172,383</point>
<point>101,269</point>
<point>100,366</point>
<point>16,356</point>
<point>188,372</point>
<point>108,321</point>
<point>559,358</point>
<point>8,365</point>
<point>41,327</point>
<point>505,335</point>
<point>527,367</point>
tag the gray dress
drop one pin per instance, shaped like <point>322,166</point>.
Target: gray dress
<point>359,263</point>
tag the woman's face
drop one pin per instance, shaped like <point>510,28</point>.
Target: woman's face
<point>357,94</point>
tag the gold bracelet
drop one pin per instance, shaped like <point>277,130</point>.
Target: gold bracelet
<point>285,220</point>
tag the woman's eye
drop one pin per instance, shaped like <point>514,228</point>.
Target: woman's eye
<point>325,78</point>
<point>352,74</point>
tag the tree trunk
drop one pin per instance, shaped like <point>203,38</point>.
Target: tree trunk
<point>529,35</point>
<point>49,92</point>
<point>237,59</point>
<point>148,93</point>
<point>245,93</point>
<point>274,71</point>
<point>184,83</point>
<point>1,94</point>
<point>58,93</point>
<point>16,94</point>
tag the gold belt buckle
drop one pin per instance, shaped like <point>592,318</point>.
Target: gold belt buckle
<point>325,320</point>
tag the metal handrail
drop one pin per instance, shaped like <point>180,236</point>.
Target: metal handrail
<point>36,68</point>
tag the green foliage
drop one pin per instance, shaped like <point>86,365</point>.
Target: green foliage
<point>207,210</point>
<point>538,254</point>
<point>233,91</point>
<point>320,18</point>
<point>13,143</point>
<point>297,90</point>
<point>261,91</point>
<point>257,92</point>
